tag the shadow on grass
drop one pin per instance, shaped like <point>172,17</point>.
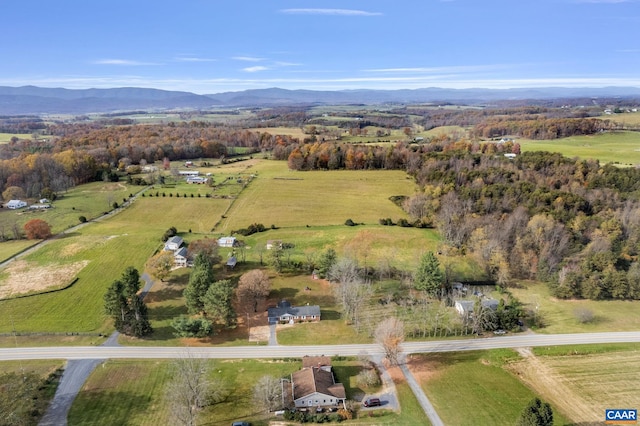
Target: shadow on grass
<point>93,404</point>
<point>162,313</point>
<point>166,293</point>
<point>284,293</point>
<point>330,315</point>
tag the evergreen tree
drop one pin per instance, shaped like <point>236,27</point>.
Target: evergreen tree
<point>127,309</point>
<point>200,280</point>
<point>537,413</point>
<point>326,261</point>
<point>429,278</point>
<point>218,305</point>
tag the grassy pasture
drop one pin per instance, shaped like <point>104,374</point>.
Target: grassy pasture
<point>611,147</point>
<point>90,200</point>
<point>582,385</point>
<point>132,392</point>
<point>631,118</point>
<point>6,137</point>
<point>560,315</point>
<point>474,388</point>
<point>128,238</point>
<point>285,198</point>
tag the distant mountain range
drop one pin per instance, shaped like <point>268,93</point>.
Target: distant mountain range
<point>39,100</point>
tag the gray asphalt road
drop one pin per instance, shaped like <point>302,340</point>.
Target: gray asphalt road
<point>103,352</point>
<point>73,378</point>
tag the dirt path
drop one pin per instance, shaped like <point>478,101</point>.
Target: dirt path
<point>548,383</point>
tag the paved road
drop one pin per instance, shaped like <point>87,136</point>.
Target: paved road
<point>75,374</point>
<point>136,352</point>
<point>72,380</point>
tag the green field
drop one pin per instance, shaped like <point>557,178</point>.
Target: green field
<point>6,137</point>
<point>285,198</point>
<point>611,147</point>
<point>133,392</point>
<point>474,388</point>
<point>90,200</point>
<point>583,381</point>
<point>560,316</point>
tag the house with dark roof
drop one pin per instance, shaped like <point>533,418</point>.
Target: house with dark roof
<point>317,387</point>
<point>285,313</point>
<point>180,257</point>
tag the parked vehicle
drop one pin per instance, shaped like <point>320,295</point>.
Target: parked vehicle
<point>372,402</point>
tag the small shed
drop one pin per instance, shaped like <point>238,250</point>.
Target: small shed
<point>227,242</point>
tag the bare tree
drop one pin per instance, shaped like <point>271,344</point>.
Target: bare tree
<point>253,287</point>
<point>191,389</point>
<point>390,334</point>
<point>351,291</point>
<point>267,393</point>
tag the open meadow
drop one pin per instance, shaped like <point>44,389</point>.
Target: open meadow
<point>611,147</point>
<point>286,198</point>
<point>584,382</point>
<point>567,316</point>
<point>474,388</point>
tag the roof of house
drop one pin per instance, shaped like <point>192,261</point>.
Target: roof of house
<point>296,311</point>
<point>315,361</point>
<point>313,379</point>
<point>182,251</point>
<point>467,305</point>
<point>175,239</point>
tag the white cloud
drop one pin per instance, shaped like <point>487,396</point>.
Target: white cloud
<point>257,68</point>
<point>247,58</point>
<point>123,62</point>
<point>193,59</point>
<point>458,69</point>
<point>339,12</point>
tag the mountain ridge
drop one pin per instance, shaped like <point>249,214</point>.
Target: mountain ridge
<point>41,100</point>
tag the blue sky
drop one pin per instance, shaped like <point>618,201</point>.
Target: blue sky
<point>212,46</point>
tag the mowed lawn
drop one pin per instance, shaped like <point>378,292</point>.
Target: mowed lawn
<point>562,316</point>
<point>474,388</point>
<point>611,147</point>
<point>286,198</point>
<point>133,392</point>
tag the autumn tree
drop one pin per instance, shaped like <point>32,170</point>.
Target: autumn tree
<point>208,246</point>
<point>253,287</point>
<point>161,265</point>
<point>127,309</point>
<point>390,334</point>
<point>428,277</point>
<point>37,229</point>
<point>13,193</point>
